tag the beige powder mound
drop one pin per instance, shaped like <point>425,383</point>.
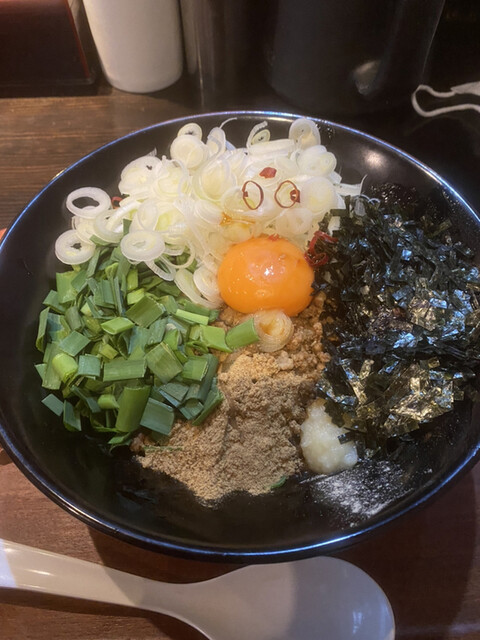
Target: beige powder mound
<point>251,442</point>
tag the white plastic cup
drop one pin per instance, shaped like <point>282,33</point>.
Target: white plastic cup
<point>139,42</point>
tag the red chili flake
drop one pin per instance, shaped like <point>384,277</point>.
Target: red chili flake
<point>245,194</point>
<point>317,260</point>
<point>293,194</point>
<point>116,201</point>
<point>268,172</point>
<point>314,254</point>
<point>274,236</point>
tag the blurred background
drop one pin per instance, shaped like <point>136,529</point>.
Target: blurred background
<point>325,58</point>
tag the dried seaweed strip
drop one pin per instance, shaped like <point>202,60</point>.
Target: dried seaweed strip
<point>404,294</point>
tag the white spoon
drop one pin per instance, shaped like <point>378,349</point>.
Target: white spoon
<point>316,599</point>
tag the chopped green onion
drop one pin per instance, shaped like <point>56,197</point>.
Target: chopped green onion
<point>214,338</point>
<point>214,398</point>
<point>191,318</point>
<point>53,403</point>
<point>89,365</point>
<point>195,368</point>
<point>145,311</point>
<point>66,293</point>
<point>74,343</point>
<point>242,335</point>
<point>163,363</point>
<point>120,369</point>
<point>107,401</point>
<point>158,417</point>
<point>131,406</point>
<point>64,365</point>
<point>134,296</point>
<point>71,417</point>
<point>116,325</point>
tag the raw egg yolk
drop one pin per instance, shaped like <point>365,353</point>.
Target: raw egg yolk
<point>265,273</point>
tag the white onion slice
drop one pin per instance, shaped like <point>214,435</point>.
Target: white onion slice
<point>274,329</point>
<point>184,281</point>
<point>84,227</point>
<point>272,148</point>
<point>294,221</point>
<point>304,133</point>
<point>189,150</point>
<point>316,160</point>
<point>191,129</point>
<point>216,141</point>
<point>259,133</point>
<point>98,196</point>
<point>166,274</point>
<point>71,249</point>
<point>206,282</point>
<point>142,246</point>
<point>318,195</point>
<point>108,225</point>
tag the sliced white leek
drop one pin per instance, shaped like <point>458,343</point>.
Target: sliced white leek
<point>304,133</point>
<point>142,246</point>
<point>71,249</point>
<point>95,201</point>
<point>274,329</point>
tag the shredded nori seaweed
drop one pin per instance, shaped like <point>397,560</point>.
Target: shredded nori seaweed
<point>402,316</point>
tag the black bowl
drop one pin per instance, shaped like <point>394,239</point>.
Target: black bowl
<point>301,518</point>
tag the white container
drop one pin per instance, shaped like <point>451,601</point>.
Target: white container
<point>139,42</point>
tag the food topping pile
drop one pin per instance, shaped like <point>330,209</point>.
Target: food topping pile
<point>239,315</point>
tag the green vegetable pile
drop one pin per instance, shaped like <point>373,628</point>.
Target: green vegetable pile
<point>124,351</point>
<point>404,299</point>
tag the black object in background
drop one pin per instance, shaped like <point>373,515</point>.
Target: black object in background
<point>333,57</point>
<point>44,44</point>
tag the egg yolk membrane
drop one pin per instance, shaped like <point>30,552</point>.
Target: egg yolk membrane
<point>267,272</point>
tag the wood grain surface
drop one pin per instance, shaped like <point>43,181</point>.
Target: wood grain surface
<point>428,562</point>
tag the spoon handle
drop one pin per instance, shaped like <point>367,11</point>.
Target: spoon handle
<point>23,567</point>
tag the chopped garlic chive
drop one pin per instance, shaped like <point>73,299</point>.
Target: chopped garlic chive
<point>74,319</point>
<point>132,280</point>
<point>71,417</point>
<point>120,369</point>
<point>145,311</point>
<point>191,318</point>
<point>89,365</point>
<point>116,325</point>
<point>156,332</point>
<point>191,409</point>
<point>163,363</point>
<point>52,300</point>
<point>214,338</point>
<point>66,293</point>
<point>42,328</point>
<point>53,403</point>
<point>172,338</point>
<point>209,378</point>
<point>158,417</point>
<point>107,401</point>
<point>107,351</point>
<point>188,305</point>
<point>74,343</point>
<point>214,398</point>
<point>241,335</point>
<point>131,403</point>
<point>64,365</point>
<point>135,295</point>
<point>195,368</point>
<point>169,303</point>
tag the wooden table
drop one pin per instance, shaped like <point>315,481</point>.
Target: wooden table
<point>428,563</point>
